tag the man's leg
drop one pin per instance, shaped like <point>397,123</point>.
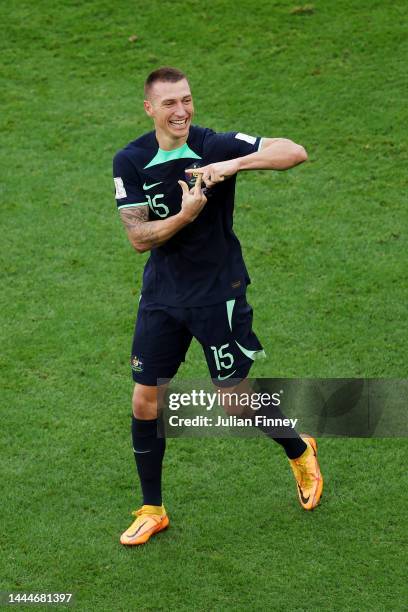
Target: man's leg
<point>292,443</point>
<point>148,449</point>
<point>160,344</point>
<point>301,450</point>
<point>230,347</point>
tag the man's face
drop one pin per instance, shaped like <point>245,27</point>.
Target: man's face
<point>170,105</point>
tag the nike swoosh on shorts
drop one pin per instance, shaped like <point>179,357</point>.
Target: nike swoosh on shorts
<point>227,376</point>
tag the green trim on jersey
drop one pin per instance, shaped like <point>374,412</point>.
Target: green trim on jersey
<point>136,204</point>
<point>162,156</point>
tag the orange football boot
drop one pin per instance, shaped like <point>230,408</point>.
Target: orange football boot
<point>150,520</point>
<point>307,474</point>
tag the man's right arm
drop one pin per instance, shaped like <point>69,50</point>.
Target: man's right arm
<point>145,235</point>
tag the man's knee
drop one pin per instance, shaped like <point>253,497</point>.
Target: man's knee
<point>146,401</point>
<point>232,398</point>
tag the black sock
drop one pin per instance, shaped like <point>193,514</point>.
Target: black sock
<point>286,436</point>
<point>293,444</point>
<point>149,451</point>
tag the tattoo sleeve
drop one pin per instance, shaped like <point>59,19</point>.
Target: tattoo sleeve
<point>144,234</point>
<point>134,216</point>
<point>137,225</point>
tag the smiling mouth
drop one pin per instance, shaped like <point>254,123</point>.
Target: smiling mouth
<point>179,123</point>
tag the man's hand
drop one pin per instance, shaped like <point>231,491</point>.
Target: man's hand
<point>193,200</point>
<point>216,173</point>
<point>274,154</point>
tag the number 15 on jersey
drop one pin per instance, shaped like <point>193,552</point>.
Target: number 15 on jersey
<point>159,208</point>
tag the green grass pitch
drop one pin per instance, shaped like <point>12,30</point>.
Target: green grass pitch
<point>326,247</point>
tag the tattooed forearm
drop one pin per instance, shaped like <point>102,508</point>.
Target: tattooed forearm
<point>135,215</point>
<point>144,234</point>
<point>139,229</point>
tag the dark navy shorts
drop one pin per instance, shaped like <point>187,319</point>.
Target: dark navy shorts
<point>164,333</point>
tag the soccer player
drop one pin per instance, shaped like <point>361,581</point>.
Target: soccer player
<point>175,190</point>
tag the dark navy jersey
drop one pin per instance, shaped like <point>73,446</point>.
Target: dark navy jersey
<point>202,264</point>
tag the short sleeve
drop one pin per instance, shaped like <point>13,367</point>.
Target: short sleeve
<point>128,190</point>
<point>228,145</point>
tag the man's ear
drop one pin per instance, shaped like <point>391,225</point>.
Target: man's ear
<point>148,107</point>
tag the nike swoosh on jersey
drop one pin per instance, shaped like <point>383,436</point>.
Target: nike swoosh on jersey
<point>146,187</point>
<point>227,376</point>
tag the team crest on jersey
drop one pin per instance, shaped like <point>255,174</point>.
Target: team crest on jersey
<point>191,178</point>
<point>136,364</point>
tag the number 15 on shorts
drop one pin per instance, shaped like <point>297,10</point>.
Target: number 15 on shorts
<point>223,360</point>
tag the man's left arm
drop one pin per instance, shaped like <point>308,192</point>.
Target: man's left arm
<point>273,154</point>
